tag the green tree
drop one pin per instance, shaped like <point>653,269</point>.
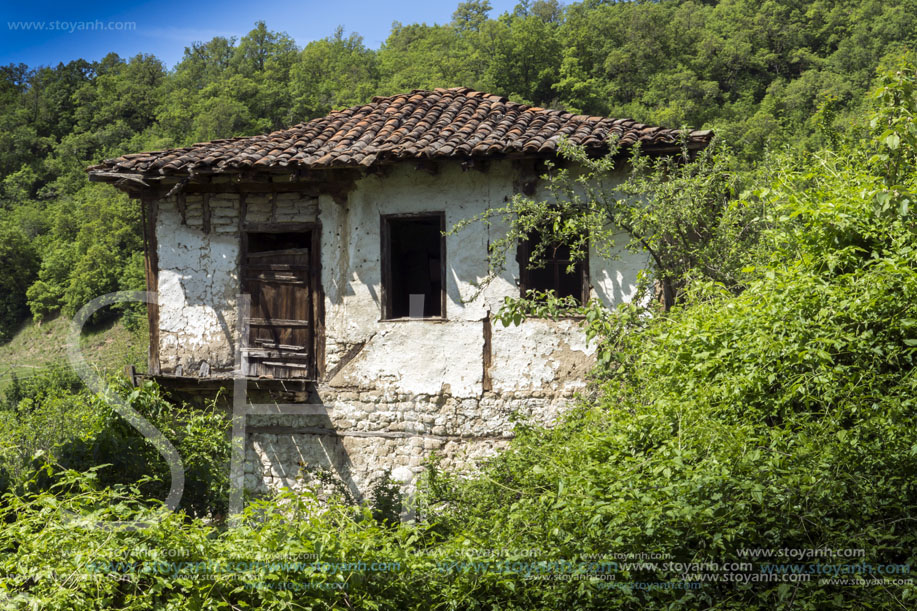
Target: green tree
<point>332,73</point>
<point>20,264</point>
<point>471,15</point>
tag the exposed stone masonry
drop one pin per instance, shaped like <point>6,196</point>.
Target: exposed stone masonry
<point>368,432</point>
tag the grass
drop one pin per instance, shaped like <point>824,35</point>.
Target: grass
<point>110,346</point>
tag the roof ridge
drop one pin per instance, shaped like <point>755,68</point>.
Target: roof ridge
<point>466,91</point>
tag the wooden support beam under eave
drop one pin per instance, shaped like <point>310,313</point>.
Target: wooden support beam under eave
<point>120,178</point>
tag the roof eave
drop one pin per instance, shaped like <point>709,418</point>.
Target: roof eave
<point>132,182</point>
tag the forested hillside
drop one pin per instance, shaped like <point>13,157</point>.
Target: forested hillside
<point>754,71</point>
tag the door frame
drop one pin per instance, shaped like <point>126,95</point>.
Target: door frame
<point>317,366</point>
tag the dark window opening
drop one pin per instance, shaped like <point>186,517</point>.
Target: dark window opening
<point>553,272</point>
<point>413,266</point>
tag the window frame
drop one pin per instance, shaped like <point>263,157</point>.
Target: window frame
<point>524,253</point>
<point>385,235</point>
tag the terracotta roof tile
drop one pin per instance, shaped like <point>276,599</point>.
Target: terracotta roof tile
<point>434,124</point>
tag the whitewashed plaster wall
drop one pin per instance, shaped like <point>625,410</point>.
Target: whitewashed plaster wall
<point>427,356</point>
<point>198,285</point>
<point>198,280</point>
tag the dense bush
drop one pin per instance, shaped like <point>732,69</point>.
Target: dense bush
<point>39,412</point>
<point>50,419</point>
<point>783,417</point>
<point>199,436</point>
<point>24,395</point>
<point>55,554</point>
<point>19,263</point>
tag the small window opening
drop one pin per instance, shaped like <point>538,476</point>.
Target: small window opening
<point>553,274</point>
<point>413,266</point>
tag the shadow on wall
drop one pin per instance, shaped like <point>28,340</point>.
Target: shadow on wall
<point>198,281</point>
<point>296,450</point>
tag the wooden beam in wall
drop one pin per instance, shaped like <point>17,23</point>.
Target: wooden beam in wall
<point>279,227</point>
<point>150,212</point>
<point>318,304</point>
<point>181,202</point>
<point>243,210</point>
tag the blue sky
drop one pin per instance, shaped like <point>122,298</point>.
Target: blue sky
<point>165,27</point>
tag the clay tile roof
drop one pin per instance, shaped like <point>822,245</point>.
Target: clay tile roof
<point>438,124</point>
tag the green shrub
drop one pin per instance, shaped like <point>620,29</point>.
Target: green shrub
<point>49,417</point>
<point>24,393</point>
<point>199,436</point>
<point>779,418</point>
<point>66,559</point>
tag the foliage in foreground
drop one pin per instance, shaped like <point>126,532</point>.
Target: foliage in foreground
<point>781,418</point>
<point>50,418</point>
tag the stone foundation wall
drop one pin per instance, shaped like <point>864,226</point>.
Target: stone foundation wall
<point>365,433</point>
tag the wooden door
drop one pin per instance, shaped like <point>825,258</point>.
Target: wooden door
<point>279,342</point>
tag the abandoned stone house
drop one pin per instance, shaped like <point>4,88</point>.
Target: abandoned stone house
<point>359,305</point>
